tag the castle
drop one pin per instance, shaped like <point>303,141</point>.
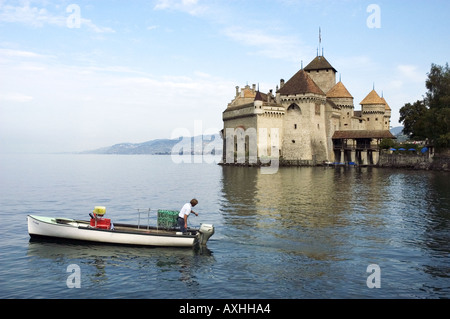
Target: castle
<point>310,120</point>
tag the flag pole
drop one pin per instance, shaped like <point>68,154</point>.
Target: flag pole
<point>320,39</point>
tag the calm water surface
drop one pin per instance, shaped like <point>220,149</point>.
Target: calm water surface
<point>300,233</point>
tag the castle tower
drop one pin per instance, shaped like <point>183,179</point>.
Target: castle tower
<point>372,110</point>
<point>387,115</point>
<point>304,135</point>
<point>322,73</point>
<point>342,98</point>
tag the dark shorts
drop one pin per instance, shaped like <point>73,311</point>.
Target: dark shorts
<point>181,224</point>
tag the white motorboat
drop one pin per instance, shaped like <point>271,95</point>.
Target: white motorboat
<point>121,234</point>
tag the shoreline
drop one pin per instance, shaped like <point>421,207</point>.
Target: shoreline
<point>393,161</point>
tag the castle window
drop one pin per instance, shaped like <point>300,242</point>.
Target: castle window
<point>293,141</point>
<point>293,107</point>
<point>368,119</point>
<point>376,119</point>
<point>295,126</point>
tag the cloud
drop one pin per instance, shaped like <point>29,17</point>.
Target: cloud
<point>406,77</point>
<point>189,6</point>
<point>33,16</point>
<point>411,72</point>
<point>20,54</point>
<point>39,17</point>
<point>268,45</point>
<point>262,40</point>
<point>75,107</point>
<point>15,97</point>
<point>94,27</point>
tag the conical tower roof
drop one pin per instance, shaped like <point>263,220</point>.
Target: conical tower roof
<point>387,107</point>
<point>258,96</point>
<point>300,83</point>
<point>372,98</point>
<point>319,63</point>
<point>339,90</point>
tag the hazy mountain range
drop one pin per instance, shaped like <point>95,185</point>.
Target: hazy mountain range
<point>178,145</point>
<point>196,145</point>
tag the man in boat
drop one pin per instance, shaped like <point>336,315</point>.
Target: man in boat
<point>184,213</point>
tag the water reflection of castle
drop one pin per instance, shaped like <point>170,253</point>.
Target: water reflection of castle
<point>314,116</point>
<point>302,207</point>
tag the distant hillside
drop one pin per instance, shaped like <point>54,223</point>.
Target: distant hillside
<point>398,133</point>
<point>163,146</point>
<point>169,146</point>
<point>396,130</point>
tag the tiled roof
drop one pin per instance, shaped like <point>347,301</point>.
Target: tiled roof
<point>353,134</point>
<point>300,83</point>
<point>339,90</point>
<point>372,98</point>
<point>387,108</point>
<point>258,96</point>
<point>248,92</point>
<point>319,63</point>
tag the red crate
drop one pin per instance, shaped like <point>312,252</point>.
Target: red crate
<point>102,223</point>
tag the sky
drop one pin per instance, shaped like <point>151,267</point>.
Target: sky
<point>80,75</point>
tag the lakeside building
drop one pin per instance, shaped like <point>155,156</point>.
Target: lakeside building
<point>309,120</point>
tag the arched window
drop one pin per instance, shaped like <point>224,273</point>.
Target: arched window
<point>294,107</point>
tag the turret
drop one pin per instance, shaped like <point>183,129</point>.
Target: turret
<point>322,73</point>
<point>387,115</point>
<point>372,110</point>
<point>342,98</point>
<point>258,102</point>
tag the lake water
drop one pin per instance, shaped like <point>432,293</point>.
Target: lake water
<point>304,232</point>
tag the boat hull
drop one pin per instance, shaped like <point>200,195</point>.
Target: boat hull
<point>70,229</point>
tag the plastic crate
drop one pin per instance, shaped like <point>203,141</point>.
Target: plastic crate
<point>102,223</point>
<point>167,218</point>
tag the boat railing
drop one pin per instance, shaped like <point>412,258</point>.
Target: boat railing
<point>143,210</point>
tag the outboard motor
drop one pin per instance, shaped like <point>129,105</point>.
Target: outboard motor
<point>206,231</point>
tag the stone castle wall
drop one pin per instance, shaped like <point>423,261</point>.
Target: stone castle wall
<point>419,162</point>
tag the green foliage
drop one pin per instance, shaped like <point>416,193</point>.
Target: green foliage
<point>438,85</point>
<point>387,143</point>
<point>430,118</point>
<point>412,115</point>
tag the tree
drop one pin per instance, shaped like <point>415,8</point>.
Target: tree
<point>412,115</point>
<point>430,118</point>
<point>387,143</point>
<point>438,85</point>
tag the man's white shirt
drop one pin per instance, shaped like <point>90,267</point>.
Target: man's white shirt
<point>185,210</point>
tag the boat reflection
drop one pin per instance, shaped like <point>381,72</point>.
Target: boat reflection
<point>101,263</point>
